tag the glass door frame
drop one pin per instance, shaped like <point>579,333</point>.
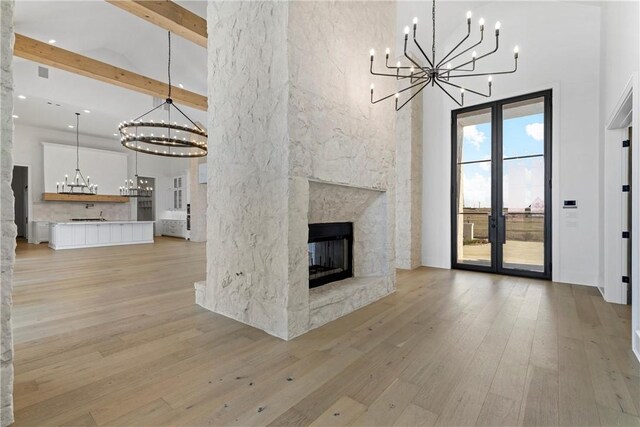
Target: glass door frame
<point>496,225</point>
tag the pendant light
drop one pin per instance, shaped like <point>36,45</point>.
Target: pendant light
<point>136,187</point>
<point>165,138</point>
<point>78,185</point>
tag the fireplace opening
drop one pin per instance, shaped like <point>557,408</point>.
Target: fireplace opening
<point>330,252</point>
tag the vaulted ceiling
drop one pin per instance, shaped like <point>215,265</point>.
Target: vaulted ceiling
<point>101,31</point>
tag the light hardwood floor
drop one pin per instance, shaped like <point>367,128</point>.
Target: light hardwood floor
<point>111,336</point>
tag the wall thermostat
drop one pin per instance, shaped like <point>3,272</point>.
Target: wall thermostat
<point>570,204</point>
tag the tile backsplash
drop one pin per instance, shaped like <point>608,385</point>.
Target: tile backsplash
<point>64,211</point>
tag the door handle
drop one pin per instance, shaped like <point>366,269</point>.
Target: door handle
<point>492,227</point>
<point>503,229</point>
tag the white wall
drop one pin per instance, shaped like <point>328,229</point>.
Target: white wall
<point>105,166</point>
<point>619,38</point>
<point>620,66</point>
<point>559,45</point>
<point>28,151</point>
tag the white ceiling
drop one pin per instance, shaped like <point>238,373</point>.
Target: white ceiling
<point>102,31</point>
<point>99,30</point>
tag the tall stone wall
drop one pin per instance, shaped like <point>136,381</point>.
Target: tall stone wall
<point>247,213</point>
<point>7,224</point>
<point>338,138</point>
<point>289,106</point>
<point>409,185</point>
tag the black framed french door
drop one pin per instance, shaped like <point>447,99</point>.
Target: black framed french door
<point>501,186</point>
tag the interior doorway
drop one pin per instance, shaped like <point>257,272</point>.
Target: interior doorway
<point>20,187</point>
<point>501,193</point>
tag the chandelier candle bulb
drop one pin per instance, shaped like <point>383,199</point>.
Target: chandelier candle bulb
<point>498,25</point>
<point>406,31</point>
<point>516,50</point>
<point>481,22</point>
<point>469,15</point>
<point>387,52</point>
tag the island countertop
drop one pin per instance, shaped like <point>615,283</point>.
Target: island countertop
<point>100,222</point>
<point>85,234</point>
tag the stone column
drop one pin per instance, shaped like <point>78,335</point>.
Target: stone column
<point>289,109</point>
<point>7,223</point>
<point>409,185</point>
<point>247,190</point>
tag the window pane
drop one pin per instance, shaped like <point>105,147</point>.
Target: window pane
<point>523,185</point>
<point>474,188</point>
<point>474,136</point>
<point>523,128</point>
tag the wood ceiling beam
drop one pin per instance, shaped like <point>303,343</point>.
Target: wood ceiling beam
<point>56,57</point>
<point>168,15</point>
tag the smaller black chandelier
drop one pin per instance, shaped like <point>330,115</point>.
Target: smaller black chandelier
<point>164,138</point>
<point>78,185</point>
<point>136,187</point>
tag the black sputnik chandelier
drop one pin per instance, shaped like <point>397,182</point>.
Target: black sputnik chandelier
<point>443,73</point>
<point>163,138</point>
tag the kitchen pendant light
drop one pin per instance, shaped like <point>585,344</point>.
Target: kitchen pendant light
<point>442,73</point>
<point>136,187</point>
<point>78,185</point>
<point>164,138</point>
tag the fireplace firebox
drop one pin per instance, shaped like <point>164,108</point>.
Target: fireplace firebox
<point>330,252</point>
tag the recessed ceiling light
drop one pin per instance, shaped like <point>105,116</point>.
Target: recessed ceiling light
<point>115,134</point>
<point>87,111</point>
<point>70,126</point>
<point>15,116</point>
<point>181,86</point>
<point>22,97</point>
<point>52,41</point>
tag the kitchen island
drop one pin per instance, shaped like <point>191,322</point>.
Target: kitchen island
<point>88,234</point>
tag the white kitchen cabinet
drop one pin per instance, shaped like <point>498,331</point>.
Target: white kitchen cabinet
<point>88,234</point>
<point>174,227</point>
<point>179,192</point>
<point>104,233</point>
<point>115,233</point>
<point>127,232</point>
<point>40,230</point>
<point>91,233</point>
<point>79,235</point>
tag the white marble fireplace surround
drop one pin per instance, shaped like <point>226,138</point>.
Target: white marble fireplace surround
<point>373,269</point>
<point>296,141</point>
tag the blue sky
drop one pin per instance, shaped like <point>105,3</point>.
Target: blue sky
<point>523,178</point>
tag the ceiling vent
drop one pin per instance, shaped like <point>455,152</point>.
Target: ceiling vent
<point>43,72</point>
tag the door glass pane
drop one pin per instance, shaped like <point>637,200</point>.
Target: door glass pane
<point>473,192</point>
<point>523,185</point>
